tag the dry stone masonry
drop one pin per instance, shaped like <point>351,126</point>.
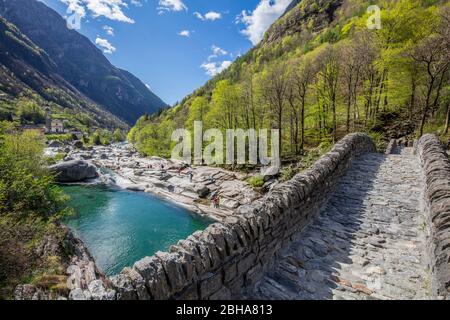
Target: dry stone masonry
<point>436,169</point>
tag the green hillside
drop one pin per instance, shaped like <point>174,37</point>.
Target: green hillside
<point>42,57</point>
<point>320,73</point>
<point>28,81</point>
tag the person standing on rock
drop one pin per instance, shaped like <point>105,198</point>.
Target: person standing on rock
<point>216,201</point>
<point>191,175</point>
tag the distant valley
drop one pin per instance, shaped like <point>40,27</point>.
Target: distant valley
<point>42,60</point>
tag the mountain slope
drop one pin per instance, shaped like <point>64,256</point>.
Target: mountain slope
<point>320,72</point>
<point>80,62</point>
<point>315,15</point>
<point>27,71</point>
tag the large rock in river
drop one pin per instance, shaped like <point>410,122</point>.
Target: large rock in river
<point>74,171</point>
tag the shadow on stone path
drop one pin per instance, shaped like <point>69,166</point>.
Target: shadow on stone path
<point>368,242</point>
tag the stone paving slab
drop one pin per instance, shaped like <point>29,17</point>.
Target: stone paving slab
<point>368,242</point>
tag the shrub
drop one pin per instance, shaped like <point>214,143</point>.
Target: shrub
<point>30,112</point>
<point>95,139</point>
<point>256,181</point>
<point>119,136</point>
<point>56,158</point>
<point>26,186</point>
<point>288,173</point>
<point>59,137</point>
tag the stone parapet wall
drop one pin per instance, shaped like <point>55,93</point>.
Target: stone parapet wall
<point>219,262</point>
<point>436,170</point>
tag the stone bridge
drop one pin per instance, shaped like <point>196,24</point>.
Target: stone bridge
<point>357,225</point>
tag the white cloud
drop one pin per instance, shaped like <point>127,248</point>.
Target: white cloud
<point>171,5</point>
<point>74,6</point>
<point>107,47</point>
<point>218,51</point>
<point>109,30</point>
<point>211,15</point>
<point>199,15</point>
<point>258,21</point>
<point>185,33</point>
<point>136,3</point>
<point>111,9</point>
<point>214,68</point>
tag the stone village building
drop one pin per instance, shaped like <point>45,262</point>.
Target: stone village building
<point>53,125</point>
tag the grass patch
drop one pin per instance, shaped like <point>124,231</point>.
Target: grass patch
<point>59,137</point>
<point>256,181</point>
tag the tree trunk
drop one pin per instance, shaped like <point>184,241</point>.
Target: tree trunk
<point>334,119</point>
<point>280,123</point>
<point>427,107</point>
<point>447,121</point>
<point>412,100</point>
<point>349,104</point>
<point>302,119</point>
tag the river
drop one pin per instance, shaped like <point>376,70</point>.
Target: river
<point>120,227</point>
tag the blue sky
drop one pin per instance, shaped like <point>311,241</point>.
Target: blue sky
<point>173,46</point>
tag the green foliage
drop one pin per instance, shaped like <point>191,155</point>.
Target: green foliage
<point>256,181</point>
<point>357,76</point>
<point>29,112</point>
<point>59,137</point>
<point>153,138</point>
<point>379,140</point>
<point>5,127</point>
<point>288,173</point>
<point>119,135</point>
<point>55,159</point>
<point>5,115</point>
<point>25,185</point>
<point>95,138</point>
<point>197,112</point>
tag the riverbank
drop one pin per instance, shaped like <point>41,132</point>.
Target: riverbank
<point>192,187</point>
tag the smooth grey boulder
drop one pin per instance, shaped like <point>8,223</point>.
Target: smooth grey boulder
<point>74,171</point>
<point>203,191</point>
<point>270,172</point>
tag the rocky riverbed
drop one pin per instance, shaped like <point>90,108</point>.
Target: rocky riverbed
<point>192,187</point>
<point>120,165</point>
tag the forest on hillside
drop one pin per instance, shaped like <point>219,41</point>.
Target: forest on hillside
<point>327,79</point>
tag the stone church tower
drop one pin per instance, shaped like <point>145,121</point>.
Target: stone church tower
<point>48,119</point>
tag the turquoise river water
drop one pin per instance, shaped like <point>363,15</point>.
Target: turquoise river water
<point>120,227</point>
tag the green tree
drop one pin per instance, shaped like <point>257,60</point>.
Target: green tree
<point>197,111</point>
<point>26,186</point>
<point>118,135</point>
<point>29,112</point>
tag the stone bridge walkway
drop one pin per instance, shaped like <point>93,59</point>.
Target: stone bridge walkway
<point>367,243</point>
